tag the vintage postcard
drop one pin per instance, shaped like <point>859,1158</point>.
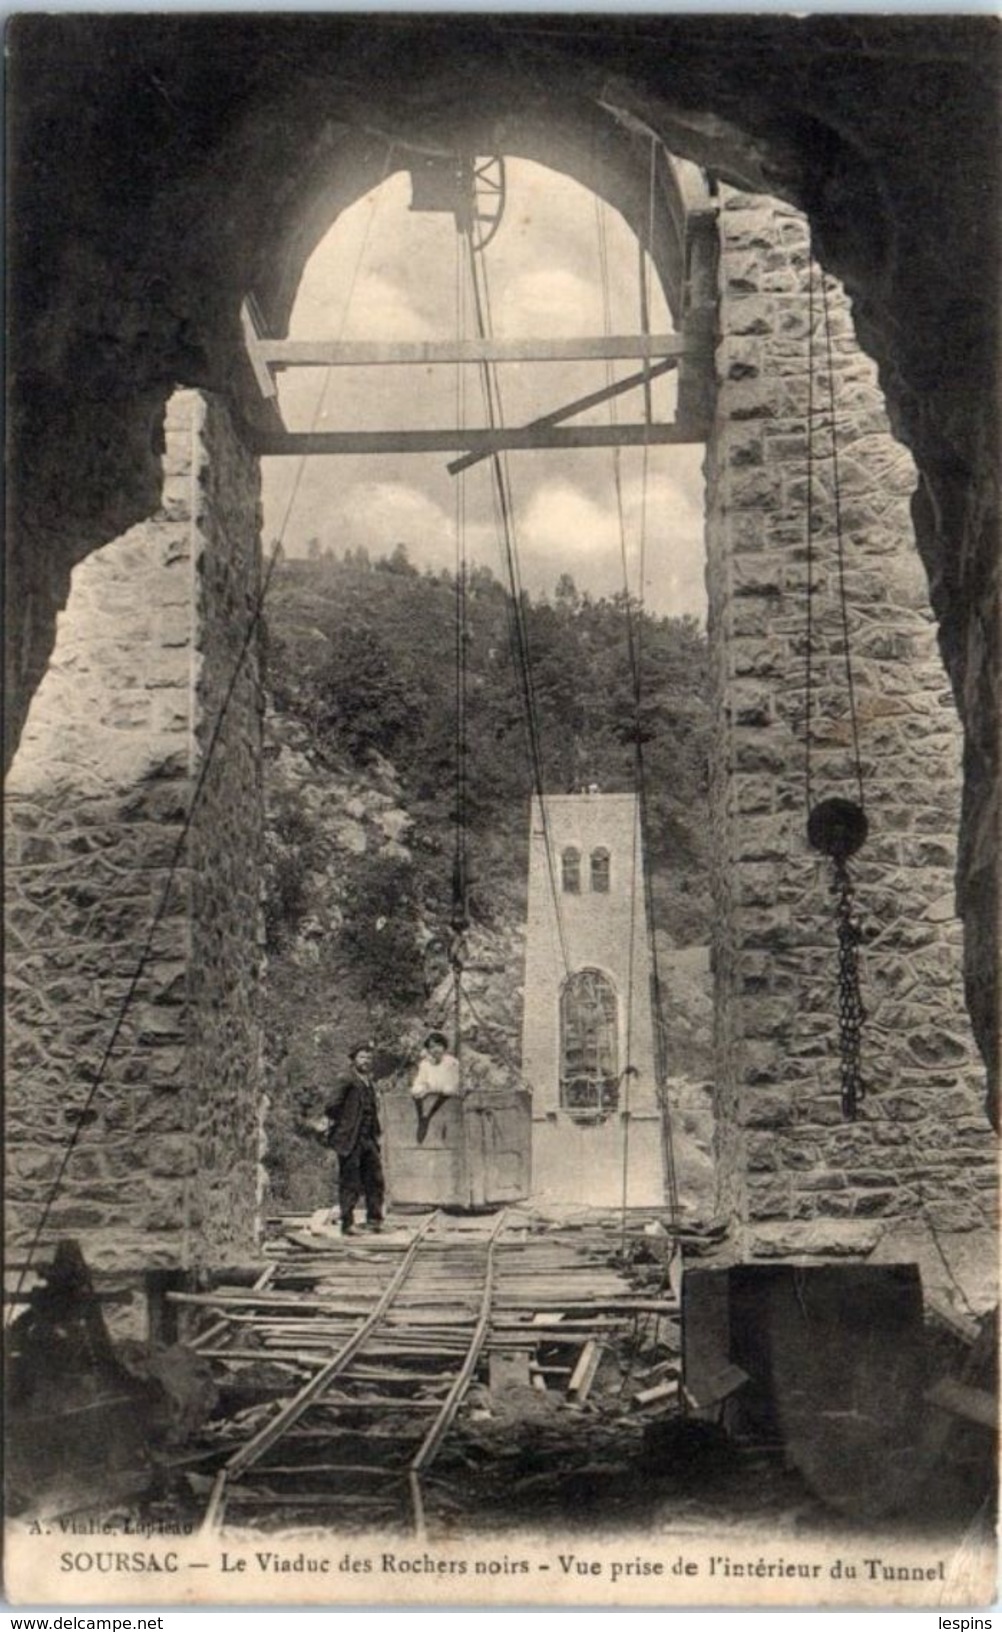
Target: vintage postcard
<point>500,861</point>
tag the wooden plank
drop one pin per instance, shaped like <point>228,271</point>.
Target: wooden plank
<point>546,1329</point>
<point>280,1355</point>
<point>278,445</point>
<point>381,353</point>
<point>585,1371</point>
<point>475,1133</point>
<point>208,1337</point>
<point>261,1494</point>
<point>656,1395</point>
<point>963,1400</point>
<point>574,1307</point>
<point>377,1402</point>
<point>217,1504</point>
<point>373,1470</point>
<point>267,1356</point>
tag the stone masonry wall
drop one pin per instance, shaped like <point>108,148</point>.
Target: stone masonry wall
<point>226,849</point>
<point>97,799</point>
<point>799,1178</point>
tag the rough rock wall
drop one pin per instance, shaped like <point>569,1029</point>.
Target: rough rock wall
<point>797,1175</point>
<point>97,799</point>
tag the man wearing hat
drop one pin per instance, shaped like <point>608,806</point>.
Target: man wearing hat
<point>353,1133</point>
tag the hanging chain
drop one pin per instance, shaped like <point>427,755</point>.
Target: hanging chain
<point>851,1013</point>
<point>836,827</point>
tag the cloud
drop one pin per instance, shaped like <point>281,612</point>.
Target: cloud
<point>382,514</point>
<point>675,550</point>
<point>553,223</point>
<point>382,309</point>
<point>549,301</point>
<point>563,529</point>
<point>376,515</point>
<point>562,525</point>
<point>399,268</point>
<point>560,519</point>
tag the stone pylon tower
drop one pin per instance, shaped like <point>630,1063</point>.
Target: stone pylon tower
<point>596,1125</point>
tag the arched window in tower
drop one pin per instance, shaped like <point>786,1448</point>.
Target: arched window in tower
<point>589,1045</point>
<point>600,871</point>
<point>570,871</point>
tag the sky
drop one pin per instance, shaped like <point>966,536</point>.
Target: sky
<point>386,272</point>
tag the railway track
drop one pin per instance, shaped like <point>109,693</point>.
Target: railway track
<point>415,1320</point>
<point>343,1368</point>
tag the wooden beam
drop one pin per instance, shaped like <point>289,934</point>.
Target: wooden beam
<point>253,347</point>
<point>377,353</point>
<point>483,442</point>
<point>593,400</point>
<point>585,1372</point>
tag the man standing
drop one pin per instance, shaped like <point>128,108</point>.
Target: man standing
<point>353,1132</point>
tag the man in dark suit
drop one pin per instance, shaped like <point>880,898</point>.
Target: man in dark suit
<point>353,1132</point>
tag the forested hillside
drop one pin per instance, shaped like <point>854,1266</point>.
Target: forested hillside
<point>361,790</point>
<point>365,657</point>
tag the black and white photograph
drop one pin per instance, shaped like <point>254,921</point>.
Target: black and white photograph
<point>501,809</point>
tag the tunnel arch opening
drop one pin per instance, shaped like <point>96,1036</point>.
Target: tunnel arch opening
<point>554,221</point>
<point>220,360</point>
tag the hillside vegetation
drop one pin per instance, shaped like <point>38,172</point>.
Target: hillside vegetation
<point>362,807</point>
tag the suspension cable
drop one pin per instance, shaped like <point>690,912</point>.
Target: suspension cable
<point>521,648</point>
<point>345,311</point>
<point>668,1143</point>
<point>840,547</point>
<point>836,827</point>
<point>605,285</point>
<point>627,1074</point>
<point>811,462</point>
<point>492,1025</point>
<point>460,872</point>
<point>809,632</point>
<point>641,828</point>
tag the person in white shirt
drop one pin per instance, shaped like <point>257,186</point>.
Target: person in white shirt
<point>437,1080</point>
<point>438,1072</point>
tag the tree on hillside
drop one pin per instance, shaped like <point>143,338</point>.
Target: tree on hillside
<point>399,562</point>
<point>368,657</point>
<point>566,596</point>
<point>362,698</point>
